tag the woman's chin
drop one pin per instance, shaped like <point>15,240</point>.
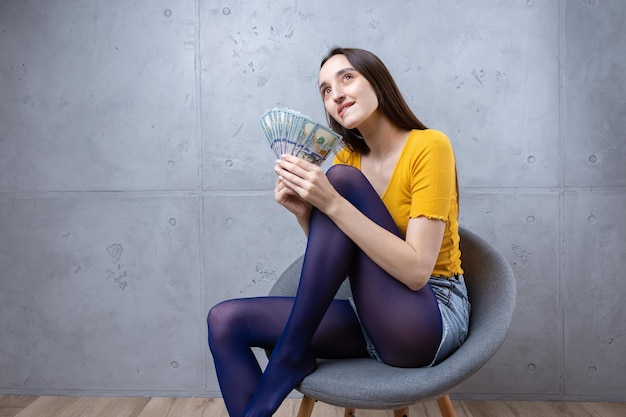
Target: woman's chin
<point>347,123</point>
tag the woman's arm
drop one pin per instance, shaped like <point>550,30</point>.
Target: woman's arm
<point>410,261</point>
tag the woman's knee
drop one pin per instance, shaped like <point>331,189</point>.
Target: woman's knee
<point>345,178</point>
<point>222,317</point>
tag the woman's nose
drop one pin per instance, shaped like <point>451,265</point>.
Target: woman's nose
<point>338,94</point>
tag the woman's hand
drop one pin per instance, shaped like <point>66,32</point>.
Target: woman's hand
<point>292,201</point>
<point>303,180</point>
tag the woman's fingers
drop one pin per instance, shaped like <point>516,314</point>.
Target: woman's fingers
<point>297,166</point>
<point>297,171</point>
<point>305,180</point>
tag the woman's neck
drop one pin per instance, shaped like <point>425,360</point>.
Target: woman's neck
<point>382,137</point>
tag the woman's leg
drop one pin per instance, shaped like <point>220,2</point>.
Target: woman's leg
<point>329,257</point>
<point>404,325</point>
<point>235,326</point>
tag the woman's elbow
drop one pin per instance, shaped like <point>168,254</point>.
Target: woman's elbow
<point>418,280</point>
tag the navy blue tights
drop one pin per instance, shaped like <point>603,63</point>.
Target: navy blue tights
<point>404,325</point>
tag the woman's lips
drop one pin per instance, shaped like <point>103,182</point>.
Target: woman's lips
<point>342,108</point>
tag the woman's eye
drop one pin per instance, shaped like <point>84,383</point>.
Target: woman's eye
<point>347,77</point>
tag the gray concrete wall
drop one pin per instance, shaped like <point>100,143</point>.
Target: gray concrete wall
<point>136,185</point>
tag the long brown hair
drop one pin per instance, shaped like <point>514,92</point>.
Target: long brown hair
<point>390,101</point>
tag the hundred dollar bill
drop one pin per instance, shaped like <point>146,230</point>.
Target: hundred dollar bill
<point>290,132</point>
<point>319,143</point>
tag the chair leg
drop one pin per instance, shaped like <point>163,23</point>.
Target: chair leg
<point>306,407</point>
<point>349,412</point>
<point>445,405</point>
<point>402,412</point>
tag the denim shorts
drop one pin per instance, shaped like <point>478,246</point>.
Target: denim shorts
<point>455,311</point>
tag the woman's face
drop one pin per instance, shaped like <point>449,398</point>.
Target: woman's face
<point>348,97</point>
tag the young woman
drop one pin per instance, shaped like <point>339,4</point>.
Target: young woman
<point>385,215</point>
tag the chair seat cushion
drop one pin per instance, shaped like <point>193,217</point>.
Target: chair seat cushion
<point>368,384</point>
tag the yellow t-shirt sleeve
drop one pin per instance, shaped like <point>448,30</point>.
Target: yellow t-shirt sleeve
<point>433,176</point>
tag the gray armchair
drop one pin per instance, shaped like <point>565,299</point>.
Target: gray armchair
<point>368,384</point>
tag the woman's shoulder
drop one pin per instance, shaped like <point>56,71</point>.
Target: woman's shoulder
<point>431,134</point>
<point>429,139</point>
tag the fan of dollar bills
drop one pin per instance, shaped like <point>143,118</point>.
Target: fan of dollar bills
<point>290,132</point>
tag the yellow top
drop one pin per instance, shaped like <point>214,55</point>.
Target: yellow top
<point>423,184</point>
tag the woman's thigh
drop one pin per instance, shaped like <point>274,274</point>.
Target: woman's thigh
<point>259,321</point>
<point>404,325</point>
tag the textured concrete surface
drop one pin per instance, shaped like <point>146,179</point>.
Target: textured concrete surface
<point>136,186</point>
